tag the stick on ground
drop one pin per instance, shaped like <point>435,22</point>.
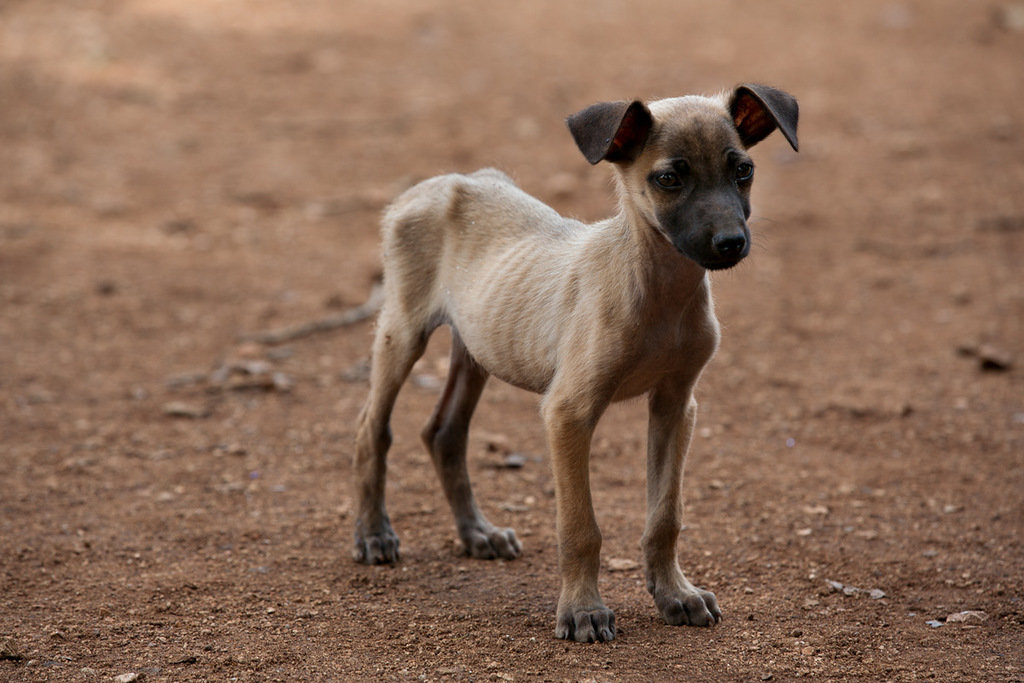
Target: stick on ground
<point>342,319</point>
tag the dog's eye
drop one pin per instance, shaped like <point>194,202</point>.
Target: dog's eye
<point>668,180</point>
<point>744,172</point>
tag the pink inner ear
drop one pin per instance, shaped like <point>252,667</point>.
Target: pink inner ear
<point>630,135</point>
<point>751,120</point>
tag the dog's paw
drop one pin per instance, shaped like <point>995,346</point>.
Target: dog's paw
<point>488,542</point>
<point>593,625</point>
<point>696,607</point>
<point>376,548</point>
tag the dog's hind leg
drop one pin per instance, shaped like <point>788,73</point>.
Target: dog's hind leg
<point>396,347</point>
<point>445,437</point>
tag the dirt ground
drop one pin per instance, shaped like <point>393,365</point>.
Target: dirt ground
<point>175,502</point>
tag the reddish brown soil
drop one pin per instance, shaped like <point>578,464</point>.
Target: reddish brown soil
<point>174,173</point>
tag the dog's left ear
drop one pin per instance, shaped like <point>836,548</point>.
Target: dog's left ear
<point>611,131</point>
<point>758,109</point>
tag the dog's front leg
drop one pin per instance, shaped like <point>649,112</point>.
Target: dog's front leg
<point>582,615</point>
<point>673,414</point>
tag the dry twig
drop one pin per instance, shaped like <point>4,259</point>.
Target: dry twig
<point>342,319</point>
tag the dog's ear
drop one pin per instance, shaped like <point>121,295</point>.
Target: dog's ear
<point>611,131</point>
<point>758,109</point>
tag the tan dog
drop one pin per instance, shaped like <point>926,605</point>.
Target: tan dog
<point>583,314</point>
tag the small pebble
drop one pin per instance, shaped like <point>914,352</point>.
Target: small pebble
<point>514,461</point>
<point>967,616</point>
<point>616,564</point>
<point>187,410</point>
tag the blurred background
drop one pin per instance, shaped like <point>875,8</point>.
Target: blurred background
<point>177,174</point>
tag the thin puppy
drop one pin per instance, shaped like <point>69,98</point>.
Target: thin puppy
<point>583,314</point>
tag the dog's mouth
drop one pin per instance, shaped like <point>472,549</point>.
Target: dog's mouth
<point>711,262</point>
<point>720,264</point>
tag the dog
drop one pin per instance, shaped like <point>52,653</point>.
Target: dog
<point>584,315</point>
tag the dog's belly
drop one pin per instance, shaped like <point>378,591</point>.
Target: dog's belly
<point>521,354</point>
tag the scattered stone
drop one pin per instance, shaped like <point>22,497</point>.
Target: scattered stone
<point>617,564</point>
<point>128,678</point>
<point>837,587</point>
<point>281,382</point>
<point>8,651</point>
<point>237,375</point>
<point>935,623</point>
<point>990,358</point>
<point>967,617</point>
<point>186,410</point>
<point>513,461</point>
<point>993,359</point>
<point>496,442</point>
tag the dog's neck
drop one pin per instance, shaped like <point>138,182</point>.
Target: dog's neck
<point>662,273</point>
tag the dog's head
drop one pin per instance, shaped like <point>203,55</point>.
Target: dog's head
<point>683,162</point>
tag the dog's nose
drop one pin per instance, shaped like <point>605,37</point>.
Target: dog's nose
<point>728,246</point>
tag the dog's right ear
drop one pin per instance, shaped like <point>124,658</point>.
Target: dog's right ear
<point>611,131</point>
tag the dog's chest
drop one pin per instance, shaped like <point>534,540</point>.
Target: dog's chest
<point>655,355</point>
<point>676,347</point>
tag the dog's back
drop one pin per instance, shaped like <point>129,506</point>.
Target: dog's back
<point>440,268</point>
